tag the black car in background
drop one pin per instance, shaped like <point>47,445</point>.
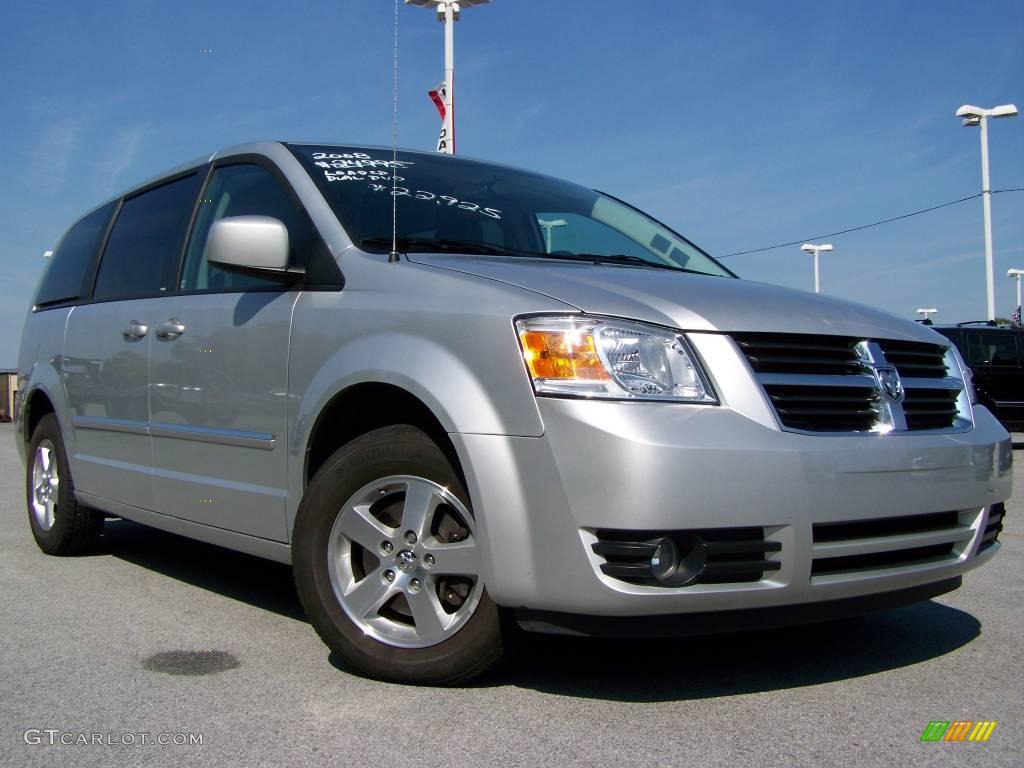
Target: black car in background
<point>996,356</point>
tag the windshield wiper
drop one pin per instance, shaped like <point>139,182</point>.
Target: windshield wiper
<point>428,244</point>
<point>616,258</point>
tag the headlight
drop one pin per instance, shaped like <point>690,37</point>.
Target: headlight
<point>614,359</point>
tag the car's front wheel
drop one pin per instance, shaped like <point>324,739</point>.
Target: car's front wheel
<point>388,564</point>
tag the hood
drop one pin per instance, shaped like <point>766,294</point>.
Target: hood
<point>685,301</point>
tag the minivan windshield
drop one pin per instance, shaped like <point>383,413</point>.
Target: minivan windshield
<point>452,205</point>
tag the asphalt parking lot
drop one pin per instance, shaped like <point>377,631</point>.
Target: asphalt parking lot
<point>165,637</point>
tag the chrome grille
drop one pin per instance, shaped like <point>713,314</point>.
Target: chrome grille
<point>838,409</point>
<point>915,360</point>
<point>832,383</point>
<point>793,353</point>
<point>930,408</point>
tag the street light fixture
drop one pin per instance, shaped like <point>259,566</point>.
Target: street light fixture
<point>816,249</point>
<point>977,116</point>
<point>1017,274</point>
<point>449,12</point>
<point>547,225</point>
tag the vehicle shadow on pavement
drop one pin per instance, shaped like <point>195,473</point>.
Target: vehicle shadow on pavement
<point>616,670</point>
<point>249,579</point>
<point>738,663</point>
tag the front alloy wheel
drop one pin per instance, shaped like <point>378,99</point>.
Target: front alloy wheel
<point>388,563</point>
<point>404,561</point>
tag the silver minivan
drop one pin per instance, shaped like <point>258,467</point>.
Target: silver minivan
<point>462,399</point>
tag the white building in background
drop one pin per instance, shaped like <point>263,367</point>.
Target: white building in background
<point>8,389</point>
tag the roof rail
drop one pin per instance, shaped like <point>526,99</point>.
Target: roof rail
<point>990,323</point>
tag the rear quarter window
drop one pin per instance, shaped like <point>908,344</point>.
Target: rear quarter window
<point>70,269</point>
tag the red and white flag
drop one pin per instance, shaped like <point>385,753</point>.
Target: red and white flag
<point>446,139</point>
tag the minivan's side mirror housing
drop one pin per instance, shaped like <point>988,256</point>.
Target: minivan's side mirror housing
<point>256,243</point>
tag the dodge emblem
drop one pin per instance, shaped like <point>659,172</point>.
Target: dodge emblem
<point>889,379</point>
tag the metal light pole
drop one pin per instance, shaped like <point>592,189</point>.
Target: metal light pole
<point>977,116</point>
<point>448,11</point>
<point>816,249</point>
<point>1017,274</point>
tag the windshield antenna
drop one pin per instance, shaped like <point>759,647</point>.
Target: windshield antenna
<point>394,255</point>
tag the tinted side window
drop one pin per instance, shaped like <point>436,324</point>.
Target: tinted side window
<point>70,268</point>
<point>241,190</point>
<point>999,349</point>
<point>141,257</point>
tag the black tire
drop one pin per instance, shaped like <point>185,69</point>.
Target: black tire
<point>75,528</point>
<point>391,451</point>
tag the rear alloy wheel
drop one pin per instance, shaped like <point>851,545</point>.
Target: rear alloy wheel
<point>60,525</point>
<point>388,563</point>
<point>45,484</point>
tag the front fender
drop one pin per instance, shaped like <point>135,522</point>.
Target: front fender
<point>452,391</point>
<point>444,337</point>
<point>464,398</point>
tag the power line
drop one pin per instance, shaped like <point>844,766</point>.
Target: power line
<point>867,226</point>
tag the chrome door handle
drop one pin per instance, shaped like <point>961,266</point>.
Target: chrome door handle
<point>172,329</point>
<point>135,330</point>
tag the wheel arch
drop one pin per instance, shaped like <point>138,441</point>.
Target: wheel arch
<point>37,404</point>
<point>44,393</point>
<point>364,407</point>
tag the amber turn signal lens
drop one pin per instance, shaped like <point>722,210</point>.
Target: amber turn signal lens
<point>557,354</point>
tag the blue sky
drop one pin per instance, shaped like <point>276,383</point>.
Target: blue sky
<point>742,124</point>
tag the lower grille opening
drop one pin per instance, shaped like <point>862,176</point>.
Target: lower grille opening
<point>914,556</point>
<point>887,542</point>
<point>888,526</point>
<point>686,557</point>
<point>993,526</point>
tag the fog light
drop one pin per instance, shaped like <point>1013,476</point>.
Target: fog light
<point>665,560</point>
<point>678,565</point>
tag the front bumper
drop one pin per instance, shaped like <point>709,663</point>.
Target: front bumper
<point>654,467</point>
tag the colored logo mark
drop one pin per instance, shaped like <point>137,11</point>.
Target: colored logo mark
<point>958,730</point>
